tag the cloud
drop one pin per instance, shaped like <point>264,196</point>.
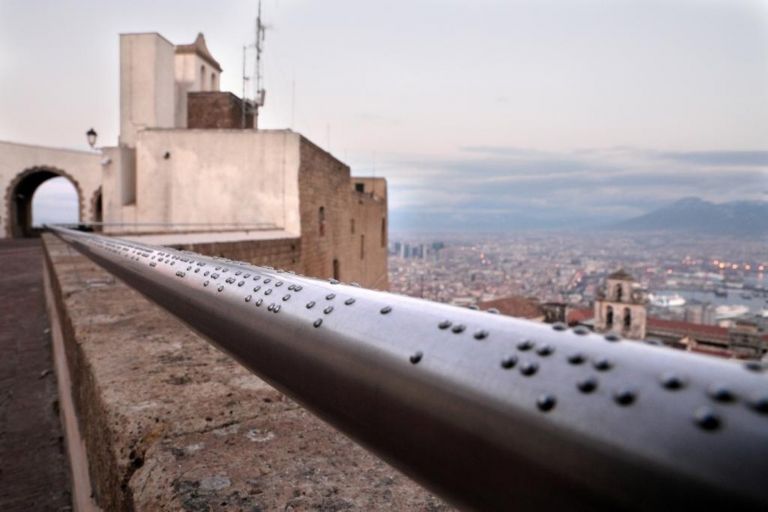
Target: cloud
<point>497,187</point>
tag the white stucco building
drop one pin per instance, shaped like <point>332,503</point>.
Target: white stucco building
<point>191,169</point>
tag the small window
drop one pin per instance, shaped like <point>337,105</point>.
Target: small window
<point>383,231</point>
<point>360,187</point>
<point>336,270</point>
<point>213,81</point>
<point>352,226</point>
<point>321,220</point>
<point>627,318</point>
<point>362,247</point>
<point>202,78</point>
<point>609,317</point>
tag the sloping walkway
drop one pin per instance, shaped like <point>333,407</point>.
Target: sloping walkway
<point>34,472</point>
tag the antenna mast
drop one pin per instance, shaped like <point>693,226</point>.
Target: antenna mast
<point>258,89</point>
<point>253,104</point>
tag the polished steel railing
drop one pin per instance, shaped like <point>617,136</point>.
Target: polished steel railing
<point>489,412</point>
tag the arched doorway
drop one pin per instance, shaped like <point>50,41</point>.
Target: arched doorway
<point>19,196</point>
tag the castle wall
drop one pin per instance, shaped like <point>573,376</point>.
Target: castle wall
<point>325,182</point>
<point>217,177</point>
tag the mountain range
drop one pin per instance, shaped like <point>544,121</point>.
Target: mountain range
<point>694,215</point>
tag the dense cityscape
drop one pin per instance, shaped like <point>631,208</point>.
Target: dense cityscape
<point>706,280</point>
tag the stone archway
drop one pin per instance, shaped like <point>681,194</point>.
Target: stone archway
<point>18,197</point>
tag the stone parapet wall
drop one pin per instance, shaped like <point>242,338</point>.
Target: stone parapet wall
<point>170,423</point>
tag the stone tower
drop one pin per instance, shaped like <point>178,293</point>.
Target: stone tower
<point>620,307</point>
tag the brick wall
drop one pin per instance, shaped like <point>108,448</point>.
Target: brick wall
<point>283,253</point>
<point>325,182</point>
<point>214,109</point>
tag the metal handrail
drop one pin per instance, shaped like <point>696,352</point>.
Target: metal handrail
<point>489,412</point>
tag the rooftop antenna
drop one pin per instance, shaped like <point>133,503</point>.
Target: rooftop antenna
<point>253,104</point>
<point>259,44</point>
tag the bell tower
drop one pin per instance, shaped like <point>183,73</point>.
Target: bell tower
<point>620,307</point>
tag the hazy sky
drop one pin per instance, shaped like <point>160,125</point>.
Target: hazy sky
<point>478,112</point>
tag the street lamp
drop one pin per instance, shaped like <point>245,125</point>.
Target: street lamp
<point>91,134</point>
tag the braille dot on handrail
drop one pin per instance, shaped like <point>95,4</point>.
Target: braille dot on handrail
<point>602,364</point>
<point>290,287</point>
<point>318,322</point>
<point>220,288</point>
<point>206,273</point>
<point>559,326</point>
<point>267,281</point>
<point>349,301</point>
<point>759,403</point>
<point>509,362</point>
<point>214,276</point>
<point>624,396</point>
<point>271,306</point>
<point>459,328</point>
<point>525,345</point>
<point>587,385</point>
<point>278,284</point>
<point>546,402</point>
<point>197,270</point>
<point>385,310</point>
<point>577,358</point>
<point>481,334</point>
<point>241,283</point>
<point>545,350</point>
<point>238,272</point>
<point>217,268</point>
<point>259,302</point>
<point>286,296</point>
<point>256,288</point>
<point>267,291</point>
<point>297,288</point>
<point>276,308</point>
<point>328,310</point>
<point>256,278</point>
<point>310,304</point>
<point>444,324</point>
<point>330,296</point>
<point>246,276</point>
<point>754,366</point>
<point>248,298</point>
<point>706,418</point>
<point>612,337</point>
<point>333,281</point>
<point>205,283</point>
<point>416,357</point>
<point>581,330</point>
<point>493,311</point>
<point>474,307</point>
<point>721,393</point>
<point>671,381</point>
<point>528,368</point>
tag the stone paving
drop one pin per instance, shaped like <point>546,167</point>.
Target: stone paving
<point>34,472</point>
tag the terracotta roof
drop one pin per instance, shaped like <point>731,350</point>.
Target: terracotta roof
<point>521,307</point>
<point>200,49</point>
<point>576,316</point>
<point>622,275</point>
<point>698,331</point>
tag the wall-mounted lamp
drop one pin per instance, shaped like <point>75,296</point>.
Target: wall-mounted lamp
<point>91,135</point>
